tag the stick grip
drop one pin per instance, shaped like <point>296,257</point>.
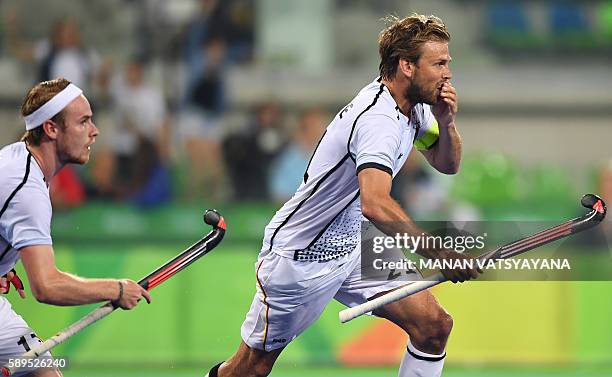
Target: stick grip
<point>405,291</point>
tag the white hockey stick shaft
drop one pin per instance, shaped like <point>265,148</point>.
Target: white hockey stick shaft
<point>405,291</point>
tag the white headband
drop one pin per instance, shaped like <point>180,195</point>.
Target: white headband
<point>52,107</point>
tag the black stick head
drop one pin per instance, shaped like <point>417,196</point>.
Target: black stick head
<point>592,201</point>
<point>214,218</point>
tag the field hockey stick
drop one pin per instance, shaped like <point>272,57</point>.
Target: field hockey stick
<point>592,218</point>
<point>155,278</point>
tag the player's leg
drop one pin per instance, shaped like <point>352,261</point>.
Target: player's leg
<point>290,296</point>
<point>247,361</point>
<point>428,325</point>
<point>420,315</point>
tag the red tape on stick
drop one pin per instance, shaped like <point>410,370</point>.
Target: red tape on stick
<point>599,207</point>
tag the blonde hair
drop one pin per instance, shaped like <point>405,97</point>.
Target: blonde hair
<point>40,94</point>
<point>403,39</point>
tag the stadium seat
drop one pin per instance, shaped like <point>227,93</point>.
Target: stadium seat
<point>570,27</point>
<point>509,28</point>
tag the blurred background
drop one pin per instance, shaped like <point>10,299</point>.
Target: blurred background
<point>219,104</point>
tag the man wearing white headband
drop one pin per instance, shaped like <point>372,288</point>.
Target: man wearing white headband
<point>59,130</point>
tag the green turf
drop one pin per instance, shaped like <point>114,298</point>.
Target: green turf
<point>361,372</point>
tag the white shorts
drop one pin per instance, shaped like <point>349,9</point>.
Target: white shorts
<point>16,337</point>
<point>291,295</point>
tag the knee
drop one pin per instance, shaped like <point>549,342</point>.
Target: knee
<point>432,333</point>
<point>444,324</point>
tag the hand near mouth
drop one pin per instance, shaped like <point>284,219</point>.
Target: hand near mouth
<point>446,108</point>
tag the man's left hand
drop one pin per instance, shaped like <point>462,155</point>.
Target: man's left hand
<point>459,275</point>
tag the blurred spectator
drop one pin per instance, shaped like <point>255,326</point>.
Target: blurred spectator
<point>240,30</point>
<point>150,184</point>
<point>200,124</point>
<point>206,94</point>
<point>141,111</point>
<point>139,148</point>
<point>62,54</point>
<point>221,34</point>
<point>230,20</point>
<point>248,155</point>
<point>287,170</point>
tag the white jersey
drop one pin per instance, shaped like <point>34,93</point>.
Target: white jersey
<point>25,215</point>
<point>322,220</point>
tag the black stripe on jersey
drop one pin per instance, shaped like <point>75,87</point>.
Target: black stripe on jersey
<point>374,165</point>
<point>311,157</point>
<point>23,182</point>
<point>8,200</point>
<point>328,224</point>
<point>348,143</point>
<point>8,247</point>
<point>297,208</point>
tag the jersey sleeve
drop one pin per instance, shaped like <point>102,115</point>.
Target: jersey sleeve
<point>27,219</point>
<point>429,131</point>
<point>375,142</point>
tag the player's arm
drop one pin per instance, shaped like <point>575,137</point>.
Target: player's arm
<point>386,214</point>
<point>52,286</point>
<point>445,154</point>
<point>381,209</point>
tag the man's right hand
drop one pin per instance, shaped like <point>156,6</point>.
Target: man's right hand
<point>132,294</point>
<point>459,275</point>
<point>12,278</point>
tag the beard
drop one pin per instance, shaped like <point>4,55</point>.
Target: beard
<point>69,158</point>
<point>416,94</point>
<point>69,155</point>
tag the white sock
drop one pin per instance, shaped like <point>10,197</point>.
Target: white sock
<point>420,364</point>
